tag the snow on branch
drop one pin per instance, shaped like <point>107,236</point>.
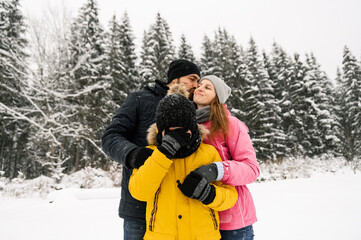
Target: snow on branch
<point>21,116</point>
<point>82,59</point>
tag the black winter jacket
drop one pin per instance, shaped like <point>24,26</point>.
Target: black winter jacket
<point>127,131</point>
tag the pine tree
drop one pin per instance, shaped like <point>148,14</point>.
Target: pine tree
<point>349,101</point>
<point>185,50</point>
<point>115,64</point>
<point>233,65</point>
<point>122,59</point>
<point>90,85</point>
<point>129,57</point>
<point>239,87</point>
<point>207,57</point>
<point>313,143</point>
<point>321,105</point>
<point>157,51</point>
<point>280,70</point>
<point>225,62</point>
<point>340,113</point>
<point>236,78</point>
<point>261,108</point>
<point>146,67</point>
<point>14,131</point>
<point>226,56</point>
<point>295,119</point>
<point>221,51</point>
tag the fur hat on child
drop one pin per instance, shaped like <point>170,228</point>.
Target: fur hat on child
<point>175,110</point>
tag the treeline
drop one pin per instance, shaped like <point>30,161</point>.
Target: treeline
<point>62,79</point>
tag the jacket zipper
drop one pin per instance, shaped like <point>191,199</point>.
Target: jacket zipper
<point>155,207</point>
<point>215,223</point>
<point>240,210</point>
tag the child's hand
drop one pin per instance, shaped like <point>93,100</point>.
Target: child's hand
<point>173,140</point>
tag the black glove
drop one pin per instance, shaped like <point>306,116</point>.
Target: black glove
<point>209,172</point>
<point>173,140</point>
<point>137,157</point>
<point>196,187</point>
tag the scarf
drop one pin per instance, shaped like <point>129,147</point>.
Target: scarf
<point>203,114</point>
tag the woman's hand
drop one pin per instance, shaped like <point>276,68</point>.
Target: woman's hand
<point>209,172</point>
<point>196,187</point>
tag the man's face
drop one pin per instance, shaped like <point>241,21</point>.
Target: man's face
<point>190,82</point>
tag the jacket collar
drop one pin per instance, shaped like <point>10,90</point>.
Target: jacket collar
<point>160,88</point>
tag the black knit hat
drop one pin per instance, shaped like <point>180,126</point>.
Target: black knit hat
<point>176,110</point>
<point>180,68</point>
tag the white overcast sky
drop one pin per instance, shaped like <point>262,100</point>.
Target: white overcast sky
<point>321,26</point>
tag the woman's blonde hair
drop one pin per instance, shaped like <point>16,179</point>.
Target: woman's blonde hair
<point>219,120</point>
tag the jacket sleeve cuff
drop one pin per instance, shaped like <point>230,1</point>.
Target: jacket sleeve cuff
<point>225,171</point>
<point>220,169</point>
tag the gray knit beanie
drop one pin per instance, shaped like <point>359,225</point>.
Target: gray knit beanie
<point>222,89</point>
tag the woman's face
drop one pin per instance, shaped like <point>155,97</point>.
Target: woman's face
<point>204,94</point>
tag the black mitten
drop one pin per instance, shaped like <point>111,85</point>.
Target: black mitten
<point>137,157</point>
<point>209,172</point>
<point>173,140</point>
<point>197,187</point>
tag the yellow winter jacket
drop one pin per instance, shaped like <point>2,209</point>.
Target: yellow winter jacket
<point>169,213</point>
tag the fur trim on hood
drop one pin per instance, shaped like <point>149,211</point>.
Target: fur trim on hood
<point>153,131</point>
<point>178,89</point>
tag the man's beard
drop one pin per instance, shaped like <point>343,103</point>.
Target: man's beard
<point>191,94</point>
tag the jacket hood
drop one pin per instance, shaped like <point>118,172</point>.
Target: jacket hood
<point>178,89</point>
<point>153,131</point>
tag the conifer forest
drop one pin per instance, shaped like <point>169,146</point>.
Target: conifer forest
<point>62,80</point>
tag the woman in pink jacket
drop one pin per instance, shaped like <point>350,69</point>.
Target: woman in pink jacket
<point>239,167</point>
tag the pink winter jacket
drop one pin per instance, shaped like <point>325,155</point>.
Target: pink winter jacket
<point>240,168</point>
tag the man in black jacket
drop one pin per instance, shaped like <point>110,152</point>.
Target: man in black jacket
<point>124,140</point>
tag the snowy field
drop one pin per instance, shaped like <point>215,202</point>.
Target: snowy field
<point>321,207</point>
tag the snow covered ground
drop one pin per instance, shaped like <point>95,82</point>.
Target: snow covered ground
<point>321,207</point>
<point>325,206</point>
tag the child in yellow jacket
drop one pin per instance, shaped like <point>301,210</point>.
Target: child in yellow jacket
<point>180,204</point>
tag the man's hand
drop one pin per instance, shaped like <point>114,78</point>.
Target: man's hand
<point>137,157</point>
